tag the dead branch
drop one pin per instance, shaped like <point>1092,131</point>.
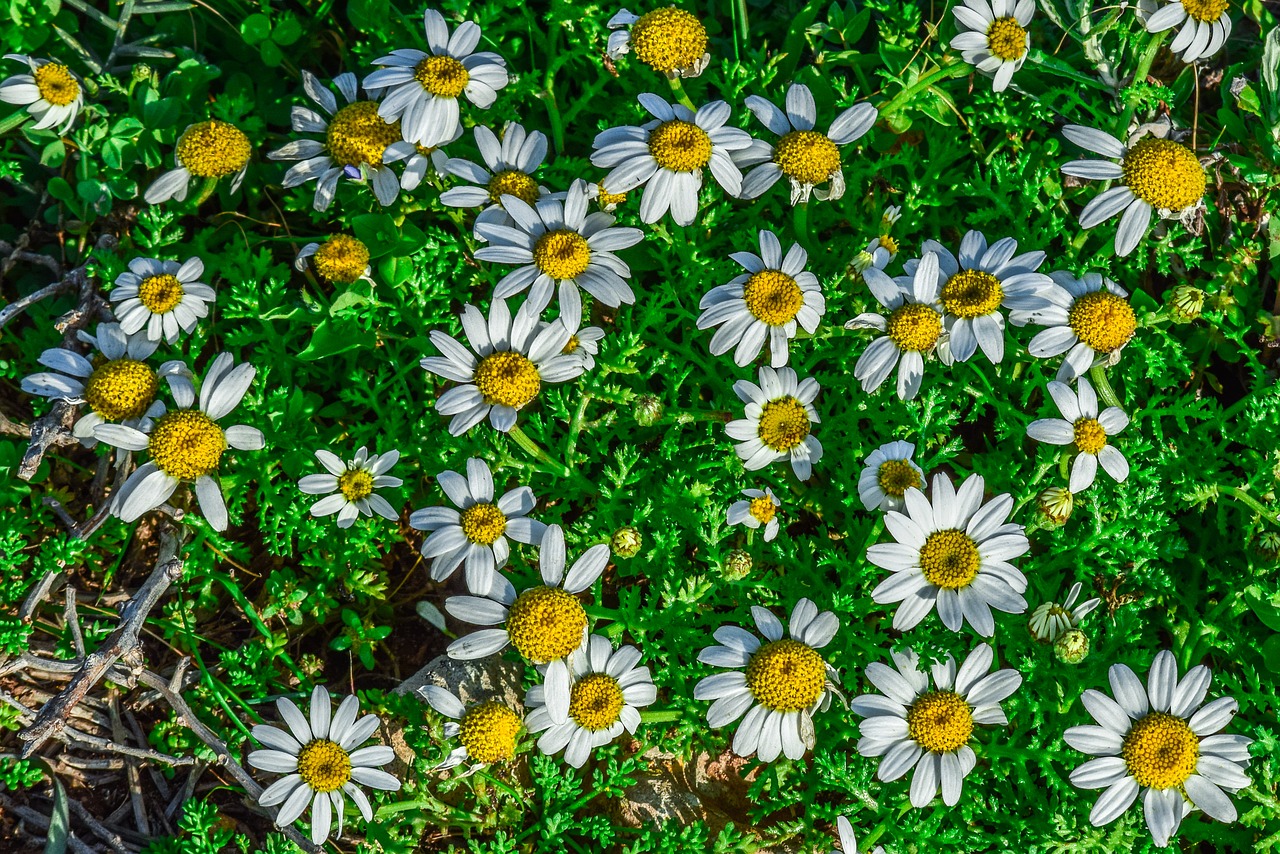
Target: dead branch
<point>42,822</point>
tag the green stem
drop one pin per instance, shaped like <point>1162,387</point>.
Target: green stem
<point>1240,494</point>
<point>206,190</point>
<point>548,92</point>
<point>677,89</point>
<point>660,716</point>
<point>1108,394</point>
<point>957,68</point>
<point>535,450</point>
<point>10,122</point>
<point>800,225</point>
<point>1139,77</point>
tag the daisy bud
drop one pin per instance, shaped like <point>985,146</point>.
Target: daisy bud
<point>1072,647</point>
<point>141,72</point>
<point>1055,505</point>
<point>1268,545</point>
<point>648,410</point>
<point>626,542</point>
<point>737,565</point>
<point>1186,303</point>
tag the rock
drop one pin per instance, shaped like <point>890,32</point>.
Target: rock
<point>489,678</point>
<point>707,788</point>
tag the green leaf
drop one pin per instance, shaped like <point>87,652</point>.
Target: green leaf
<point>357,295</point>
<point>1266,609</point>
<point>272,56</point>
<point>337,336</point>
<point>53,154</point>
<point>1270,653</point>
<point>288,30</point>
<point>255,28</point>
<point>368,14</point>
<point>61,190</point>
<point>162,113</point>
<point>59,821</point>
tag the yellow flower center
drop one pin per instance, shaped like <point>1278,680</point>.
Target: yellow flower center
<point>1161,751</point>
<point>572,345</point>
<point>772,297</point>
<point>357,134</point>
<point>786,676</point>
<point>160,294</point>
<point>213,149</point>
<point>546,623</point>
<point>949,559</point>
<point>1206,11</point>
<point>914,326</point>
<point>442,76</point>
<point>972,293</point>
<point>763,509</point>
<point>121,389</point>
<point>1102,320</point>
<point>488,731</point>
<point>562,254</point>
<point>483,524</point>
<point>784,424</point>
<point>807,156</point>
<point>513,182</point>
<point>187,444</point>
<point>669,40</point>
<point>606,199</point>
<point>890,245</point>
<point>680,146</point>
<point>355,484</point>
<point>507,378</point>
<point>896,477</point>
<point>1090,438</point>
<point>341,259</point>
<point>1006,39</point>
<point>595,702</point>
<point>323,765</point>
<point>57,85</point>
<point>1163,173</point>
<point>940,721</point>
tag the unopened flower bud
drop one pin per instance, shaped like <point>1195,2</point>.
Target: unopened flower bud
<point>141,72</point>
<point>1186,303</point>
<point>1072,647</point>
<point>1055,504</point>
<point>648,410</point>
<point>626,542</point>
<point>737,565</point>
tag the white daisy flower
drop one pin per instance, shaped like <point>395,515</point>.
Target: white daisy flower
<point>546,624</point>
<point>52,93</point>
<point>340,260</point>
<point>607,201</point>
<point>887,475</point>
<point>321,764</point>
<point>763,304</point>
<point>1081,425</point>
<point>955,552</point>
<point>1089,319</point>
<point>558,242</point>
<point>355,147</point>
<point>785,681</point>
<point>352,485</point>
<point>422,89</point>
<point>671,41</point>
<point>419,160</point>
<point>121,387</point>
<point>475,535</point>
<point>1160,741</point>
<point>912,726</point>
<point>1051,621</point>
<point>1154,174</point>
<point>584,342</point>
<point>508,170</point>
<point>883,249</point>
<point>993,36</point>
<point>516,356</point>
<point>913,329</point>
<point>807,157</point>
<point>487,731</point>
<point>606,689</point>
<point>1203,25</point>
<point>779,421</point>
<point>759,508</point>
<point>848,842</point>
<point>186,444</point>
<point>207,150</point>
<point>668,156</point>
<point>976,284</point>
<point>164,297</point>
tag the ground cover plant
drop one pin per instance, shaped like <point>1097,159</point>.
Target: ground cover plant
<point>751,426</point>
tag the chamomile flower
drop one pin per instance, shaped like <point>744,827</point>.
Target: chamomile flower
<point>584,342</point>
<point>161,298</point>
<point>670,41</point>
<point>349,486</point>
<point>209,150</point>
<point>993,36</point>
<point>558,242</point>
<point>784,682</point>
<point>508,170</point>
<point>422,89</point>
<point>486,730</point>
<point>119,387</point>
<point>883,249</point>
<point>1089,319</point>
<point>954,552</point>
<point>764,304</point>
<point>1081,425</point>
<point>975,284</point>
<point>607,201</point>
<point>318,755</point>
<point>1051,621</point>
<point>759,508</point>
<point>419,160</point>
<point>887,475</point>
<point>186,444</point>
<point>355,144</point>
<point>779,421</point>
<point>340,260</point>
<point>475,535</point>
<point>668,156</point>
<point>808,158</point>
<point>546,624</point>
<point>52,93</point>
<point>1155,174</point>
<point>914,726</point>
<point>515,357</point>
<point>848,842</point>
<point>607,687</point>
<point>913,329</point>
<point>1163,741</point>
<point>1203,25</point>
